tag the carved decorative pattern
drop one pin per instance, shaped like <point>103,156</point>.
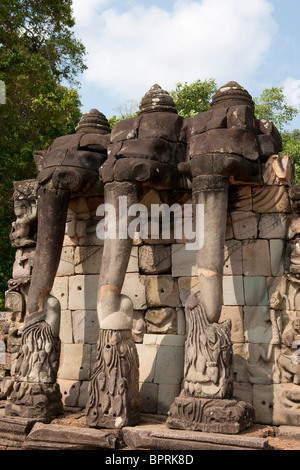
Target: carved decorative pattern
<point>114,395</point>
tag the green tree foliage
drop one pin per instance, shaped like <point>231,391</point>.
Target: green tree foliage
<point>273,105</point>
<point>190,99</point>
<point>38,53</point>
<point>194,98</point>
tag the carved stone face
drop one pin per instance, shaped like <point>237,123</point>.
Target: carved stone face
<point>296,325</point>
<point>295,256</point>
<point>21,208</point>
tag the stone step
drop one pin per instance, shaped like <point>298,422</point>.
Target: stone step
<point>159,437</point>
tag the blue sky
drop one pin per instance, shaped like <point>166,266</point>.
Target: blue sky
<point>134,44</point>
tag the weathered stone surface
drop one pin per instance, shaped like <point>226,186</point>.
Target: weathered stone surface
<point>220,416</point>
<point>257,323</point>
<point>147,358</point>
<point>13,430</point>
<point>70,390</point>
<point>256,292</point>
<point>75,362</point>
<point>59,437</point>
<point>162,291</point>
<point>183,261</point>
<point>187,286</point>
<point>262,364</point>
<point>241,116</point>
<point>87,259</point>
<point>60,290</point>
<point>270,199</point>
<point>161,320</point>
<point>286,404</point>
<point>233,261</point>
<point>162,438</point>
<point>279,169</point>
<point>134,288</point>
<point>169,365</point>
<point>83,292</point>
<point>256,258</point>
<point>263,402</point>
<point>235,314</point>
<point>149,397</point>
<point>85,326</point>
<point>66,331</point>
<point>273,226</point>
<point>133,263</point>
<point>244,225</point>
<point>233,292</point>
<point>240,198</point>
<point>154,259</point>
<point>277,256</point>
<point>113,393</point>
<point>229,141</point>
<point>66,265</point>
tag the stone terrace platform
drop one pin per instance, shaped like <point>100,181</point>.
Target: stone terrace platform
<point>69,432</point>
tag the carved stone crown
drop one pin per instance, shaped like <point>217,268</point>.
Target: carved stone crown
<point>231,94</point>
<point>93,122</point>
<point>157,100</point>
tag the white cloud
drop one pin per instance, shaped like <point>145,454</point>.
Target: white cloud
<point>292,91</point>
<point>130,50</point>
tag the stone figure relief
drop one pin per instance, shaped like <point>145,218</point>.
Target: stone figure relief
<point>156,150</point>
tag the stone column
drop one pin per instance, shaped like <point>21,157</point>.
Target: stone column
<point>217,157</point>
<point>71,164</point>
<point>114,387</point>
<point>36,393</point>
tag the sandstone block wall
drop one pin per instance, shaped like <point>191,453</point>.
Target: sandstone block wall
<point>161,275</point>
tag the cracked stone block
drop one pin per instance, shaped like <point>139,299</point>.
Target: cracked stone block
<point>85,326</point>
<point>83,292</point>
<point>162,291</point>
<point>187,286</point>
<point>161,320</point>
<point>88,259</point>
<point>273,226</point>
<point>244,224</point>
<point>155,259</point>
<point>133,263</point>
<point>233,262</point>
<point>134,288</point>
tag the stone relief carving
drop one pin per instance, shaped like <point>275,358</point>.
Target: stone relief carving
<point>157,150</point>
